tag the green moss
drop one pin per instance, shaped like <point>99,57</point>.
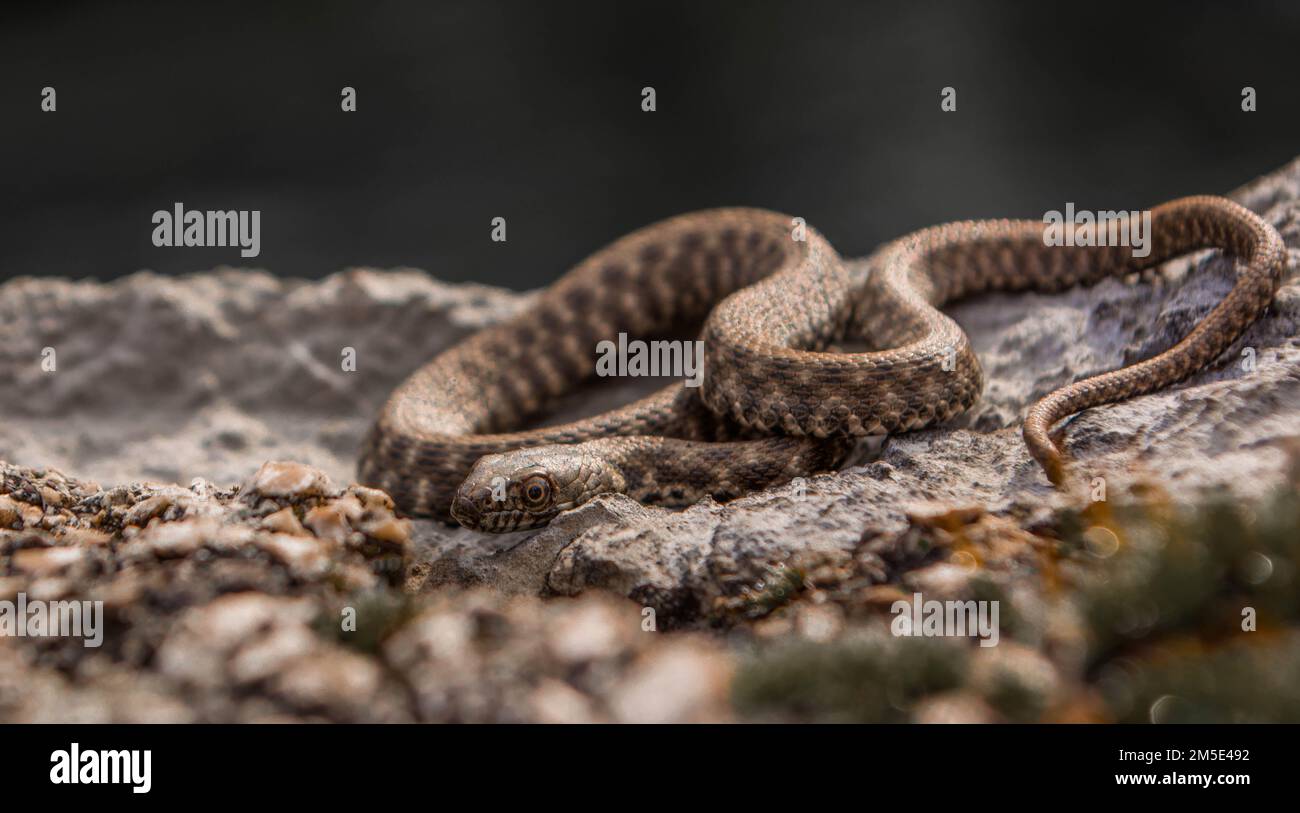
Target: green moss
<point>1166,622</point>
<point>1197,617</point>
<point>778,587</point>
<point>869,679</point>
<point>1195,572</point>
<point>376,614</point>
<point>1255,681</point>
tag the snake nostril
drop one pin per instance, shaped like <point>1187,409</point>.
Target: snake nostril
<point>464,509</point>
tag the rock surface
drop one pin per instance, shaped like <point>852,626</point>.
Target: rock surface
<point>151,382</point>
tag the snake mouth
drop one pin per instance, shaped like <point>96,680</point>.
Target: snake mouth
<point>500,521</point>
<point>512,520</point>
<point>468,513</point>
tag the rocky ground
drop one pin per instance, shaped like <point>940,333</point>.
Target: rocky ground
<point>237,589</point>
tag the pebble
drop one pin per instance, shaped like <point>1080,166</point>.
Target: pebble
<point>328,522</point>
<point>46,561</point>
<point>284,521</point>
<point>147,509</point>
<point>289,479</point>
<point>957,707</point>
<point>306,557</point>
<point>10,512</point>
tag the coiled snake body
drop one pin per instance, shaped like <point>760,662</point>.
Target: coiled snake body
<point>774,403</point>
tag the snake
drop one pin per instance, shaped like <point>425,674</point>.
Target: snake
<point>463,437</point>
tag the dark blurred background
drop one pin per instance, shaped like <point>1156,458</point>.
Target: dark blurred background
<point>532,111</point>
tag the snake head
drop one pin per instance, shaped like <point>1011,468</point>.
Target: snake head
<point>527,488</point>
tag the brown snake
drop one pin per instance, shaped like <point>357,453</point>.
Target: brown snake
<point>774,403</point>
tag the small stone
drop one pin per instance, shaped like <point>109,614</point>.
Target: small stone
<point>305,556</point>
<point>119,496</point>
<point>284,521</point>
<point>201,643</point>
<point>147,509</point>
<point>52,522</point>
<point>554,701</point>
<point>592,630</point>
<point>328,522</point>
<point>389,530</point>
<point>266,656</point>
<point>10,512</point>
<point>334,679</point>
<point>45,561</point>
<point>943,581</point>
<point>372,499</point>
<point>49,588</point>
<point>122,592</point>
<point>953,708</point>
<point>168,540</point>
<point>289,479</point>
<point>355,577</point>
<point>350,507</point>
<point>678,683</point>
<point>882,596</point>
<point>819,623</point>
<point>33,516</point>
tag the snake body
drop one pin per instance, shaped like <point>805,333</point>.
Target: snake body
<point>775,402</point>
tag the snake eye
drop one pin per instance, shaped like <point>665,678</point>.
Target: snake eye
<point>537,491</point>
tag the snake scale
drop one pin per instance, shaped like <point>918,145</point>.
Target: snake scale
<point>775,401</point>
